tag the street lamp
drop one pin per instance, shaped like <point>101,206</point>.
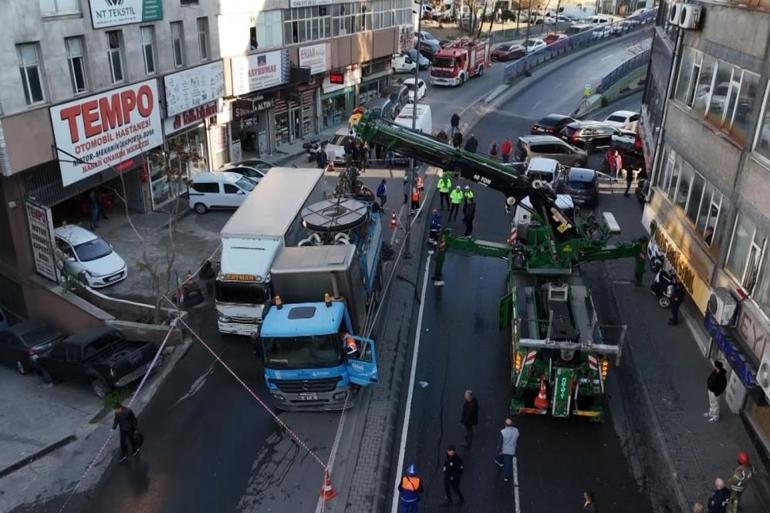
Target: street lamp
<point>410,178</point>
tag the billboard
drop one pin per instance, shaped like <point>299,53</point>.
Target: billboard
<point>314,58</point>
<point>111,13</point>
<point>260,71</point>
<point>103,130</point>
<point>193,87</point>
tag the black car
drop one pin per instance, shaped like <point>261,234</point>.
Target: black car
<point>22,344</point>
<point>589,135</point>
<point>582,185</point>
<point>551,124</point>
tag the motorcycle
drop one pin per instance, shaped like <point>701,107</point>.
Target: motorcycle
<point>312,147</point>
<point>663,287</point>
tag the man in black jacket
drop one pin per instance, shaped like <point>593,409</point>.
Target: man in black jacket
<point>719,497</point>
<point>677,298</point>
<point>453,471</point>
<point>454,123</point>
<point>457,139</point>
<point>126,420</point>
<point>716,384</point>
<point>470,215</point>
<point>470,416</point>
<point>472,144</point>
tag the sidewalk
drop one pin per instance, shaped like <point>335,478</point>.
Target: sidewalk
<point>285,153</point>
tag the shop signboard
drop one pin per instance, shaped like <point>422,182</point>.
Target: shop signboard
<point>695,285</point>
<point>188,118</point>
<point>41,237</point>
<point>351,78</point>
<point>260,71</point>
<point>99,131</point>
<point>190,88</point>
<point>314,58</point>
<point>308,3</point>
<point>111,13</point>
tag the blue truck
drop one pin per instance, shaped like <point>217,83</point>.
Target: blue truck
<point>324,296</point>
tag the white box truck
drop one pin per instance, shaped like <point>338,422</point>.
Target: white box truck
<point>424,121</point>
<point>266,222</point>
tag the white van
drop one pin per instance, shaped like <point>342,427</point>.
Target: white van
<point>424,121</point>
<point>541,168</point>
<point>218,190</point>
<point>599,20</point>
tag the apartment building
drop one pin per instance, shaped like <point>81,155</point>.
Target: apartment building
<point>706,132</point>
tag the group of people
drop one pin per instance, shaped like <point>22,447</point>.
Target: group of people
<point>453,198</point>
<point>726,496</point>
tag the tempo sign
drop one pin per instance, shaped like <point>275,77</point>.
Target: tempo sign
<point>111,13</point>
<point>103,130</point>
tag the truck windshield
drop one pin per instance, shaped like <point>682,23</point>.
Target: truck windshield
<point>443,62</point>
<point>241,293</point>
<point>302,352</point>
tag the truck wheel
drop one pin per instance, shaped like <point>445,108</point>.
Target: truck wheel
<point>481,71</point>
<point>100,388</point>
<point>200,208</point>
<point>462,79</point>
<point>21,367</point>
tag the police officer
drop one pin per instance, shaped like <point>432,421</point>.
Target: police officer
<point>455,198</point>
<point>467,197</point>
<point>410,490</point>
<point>738,481</point>
<point>444,186</point>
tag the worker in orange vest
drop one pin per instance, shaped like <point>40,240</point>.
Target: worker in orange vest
<point>411,491</point>
<point>415,198</point>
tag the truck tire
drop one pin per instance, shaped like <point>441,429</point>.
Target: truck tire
<point>100,388</point>
<point>462,79</point>
<point>481,71</point>
<point>200,208</point>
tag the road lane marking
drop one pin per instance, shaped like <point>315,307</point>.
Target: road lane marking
<point>516,503</point>
<point>410,391</point>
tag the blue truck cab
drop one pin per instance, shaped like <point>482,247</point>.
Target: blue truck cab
<point>307,366</point>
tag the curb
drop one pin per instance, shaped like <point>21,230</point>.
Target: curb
<point>36,455</point>
<point>628,93</point>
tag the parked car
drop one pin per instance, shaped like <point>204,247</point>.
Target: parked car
<point>259,164</point>
<point>602,31</point>
<point>428,44</point>
<point>589,135</point>
<point>628,142</point>
<point>623,119</point>
<point>252,173</point>
<point>544,169</point>
<point>422,88</point>
<point>530,146</point>
<point>382,108</point>
<point>218,191</point>
<point>22,344</point>
<point>101,357</point>
<point>508,52</point>
<point>553,37</point>
<point>405,63</point>
<point>625,26</point>
<point>335,149</point>
<point>534,45</point>
<point>581,184</point>
<point>551,124</point>
<point>88,256</point>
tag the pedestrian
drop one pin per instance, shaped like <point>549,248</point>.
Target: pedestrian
<point>629,181</point>
<point>406,189</point>
<point>715,385</point>
<point>321,157</point>
<point>382,192</point>
<point>470,416</point>
<point>610,161</point>
<point>444,186</point>
<point>457,139</point>
<point>454,124</point>
<point>717,503</point>
<point>415,198</point>
<point>738,481</point>
<point>618,165</point>
<point>363,157</point>
<point>506,448</point>
<point>94,207</point>
<point>442,136</point>
<point>420,184</point>
<point>677,298</point>
<point>589,502</point>
<point>126,420</point>
<point>453,471</point>
<point>467,196</point>
<point>455,198</point>
<point>410,490</point>
<point>470,215</point>
<point>493,150</point>
<point>472,144</point>
<point>506,148</point>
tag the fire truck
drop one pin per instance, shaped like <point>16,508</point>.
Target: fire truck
<point>460,60</point>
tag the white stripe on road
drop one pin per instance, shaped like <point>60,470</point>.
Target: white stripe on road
<point>410,392</point>
<point>516,503</point>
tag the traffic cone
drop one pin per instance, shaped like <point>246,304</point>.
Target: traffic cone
<point>327,490</point>
<point>541,401</point>
<point>393,220</point>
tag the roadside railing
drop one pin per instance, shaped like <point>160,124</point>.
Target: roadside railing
<point>611,78</point>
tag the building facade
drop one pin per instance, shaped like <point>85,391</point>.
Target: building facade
<point>706,133</point>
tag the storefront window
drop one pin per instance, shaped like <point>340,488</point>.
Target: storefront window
<point>334,110</point>
<point>184,157</point>
<point>282,128</point>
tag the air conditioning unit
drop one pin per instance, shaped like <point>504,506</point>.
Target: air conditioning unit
<point>722,306</point>
<point>689,16</point>
<point>673,13</point>
<point>763,375</point>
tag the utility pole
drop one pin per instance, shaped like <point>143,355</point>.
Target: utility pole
<point>410,179</point>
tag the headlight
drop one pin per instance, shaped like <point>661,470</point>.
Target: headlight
<point>338,396</point>
<point>224,318</point>
<point>88,273</point>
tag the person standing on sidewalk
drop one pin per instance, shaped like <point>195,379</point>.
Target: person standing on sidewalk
<point>382,192</point>
<point>506,148</point>
<point>506,448</point>
<point>468,217</point>
<point>738,481</point>
<point>467,197</point>
<point>126,420</point>
<point>470,416</point>
<point>454,124</point>
<point>457,139</point>
<point>455,198</point>
<point>677,298</point>
<point>444,186</point>
<point>717,503</point>
<point>589,504</point>
<point>716,385</point>
<point>629,181</point>
<point>472,144</point>
<point>453,471</point>
<point>494,149</point>
<point>406,189</point>
<point>410,490</point>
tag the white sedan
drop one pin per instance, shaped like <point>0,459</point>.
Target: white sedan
<point>88,255</point>
<point>534,45</point>
<point>623,119</point>
<point>422,88</point>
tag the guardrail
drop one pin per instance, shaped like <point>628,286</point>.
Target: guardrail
<point>611,78</point>
<point>591,35</point>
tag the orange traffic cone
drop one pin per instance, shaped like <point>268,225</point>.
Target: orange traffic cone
<point>541,401</point>
<point>393,220</point>
<point>327,490</point>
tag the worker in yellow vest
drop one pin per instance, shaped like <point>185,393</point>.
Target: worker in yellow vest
<point>455,198</point>
<point>467,197</point>
<point>444,186</point>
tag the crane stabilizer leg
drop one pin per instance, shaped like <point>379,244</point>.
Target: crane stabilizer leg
<point>447,240</point>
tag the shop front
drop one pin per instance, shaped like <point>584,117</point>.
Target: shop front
<point>295,113</point>
<point>339,100</point>
<point>252,124</point>
<point>375,78</point>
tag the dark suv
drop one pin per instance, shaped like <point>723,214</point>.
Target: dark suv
<point>551,124</point>
<point>582,185</point>
<point>551,147</point>
<point>589,135</point>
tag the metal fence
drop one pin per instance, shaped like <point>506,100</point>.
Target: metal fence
<point>611,78</point>
<point>590,36</point>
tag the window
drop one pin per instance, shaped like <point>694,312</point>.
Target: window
<point>115,55</point>
<point>231,189</point>
<point>177,43</point>
<point>59,7</point>
<point>688,76</point>
<point>267,29</point>
<point>189,2</point>
<point>685,180</point>
<point>748,98</point>
<point>696,195</point>
<point>761,292</point>
<point>148,49</point>
<point>762,142</point>
<point>203,38</point>
<point>745,250</point>
<point>302,24</point>
<point>705,83</point>
<point>31,76</point>
<point>204,187</point>
<point>77,63</point>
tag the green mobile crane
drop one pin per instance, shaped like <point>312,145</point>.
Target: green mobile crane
<point>559,352</point>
